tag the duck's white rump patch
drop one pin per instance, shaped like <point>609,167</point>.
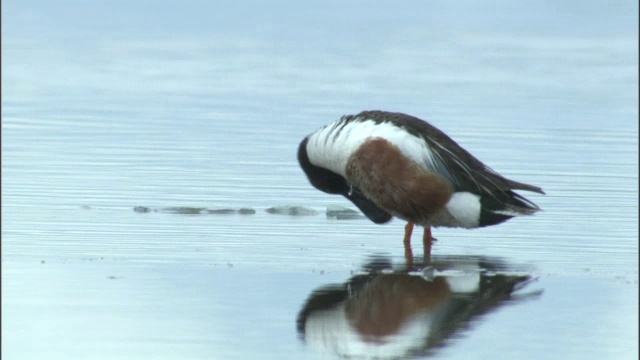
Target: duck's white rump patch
<point>465,207</point>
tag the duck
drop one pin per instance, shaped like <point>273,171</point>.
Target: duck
<point>390,164</point>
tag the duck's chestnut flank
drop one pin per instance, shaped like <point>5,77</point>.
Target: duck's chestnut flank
<point>395,164</point>
<point>395,182</point>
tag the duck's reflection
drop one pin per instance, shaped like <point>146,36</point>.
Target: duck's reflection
<point>388,312</point>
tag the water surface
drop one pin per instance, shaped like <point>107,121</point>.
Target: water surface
<point>111,108</point>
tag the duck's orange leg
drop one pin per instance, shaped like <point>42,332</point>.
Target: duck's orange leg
<point>408,254</point>
<point>427,239</point>
<point>408,230</point>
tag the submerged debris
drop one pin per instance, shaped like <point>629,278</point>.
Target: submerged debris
<point>291,210</point>
<point>187,210</point>
<point>182,210</point>
<point>343,213</point>
<point>242,211</point>
<point>221,211</point>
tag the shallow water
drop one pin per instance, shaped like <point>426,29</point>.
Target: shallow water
<point>204,109</point>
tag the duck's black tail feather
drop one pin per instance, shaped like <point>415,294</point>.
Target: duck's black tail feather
<point>497,209</point>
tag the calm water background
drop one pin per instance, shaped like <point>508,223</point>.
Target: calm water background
<point>161,104</point>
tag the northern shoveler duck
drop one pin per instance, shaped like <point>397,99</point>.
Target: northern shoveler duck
<point>391,164</point>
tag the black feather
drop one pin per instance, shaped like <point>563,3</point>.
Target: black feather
<point>332,183</point>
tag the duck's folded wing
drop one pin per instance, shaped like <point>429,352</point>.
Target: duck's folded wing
<point>468,173</point>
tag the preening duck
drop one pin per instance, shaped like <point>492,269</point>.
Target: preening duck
<point>392,164</point>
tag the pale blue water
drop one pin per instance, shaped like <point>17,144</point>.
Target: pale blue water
<point>107,107</point>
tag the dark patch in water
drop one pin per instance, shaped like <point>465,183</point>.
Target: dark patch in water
<point>343,213</point>
<point>291,210</point>
<point>187,210</point>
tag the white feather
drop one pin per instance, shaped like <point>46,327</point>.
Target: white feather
<point>332,152</point>
<point>508,212</point>
<point>465,209</point>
